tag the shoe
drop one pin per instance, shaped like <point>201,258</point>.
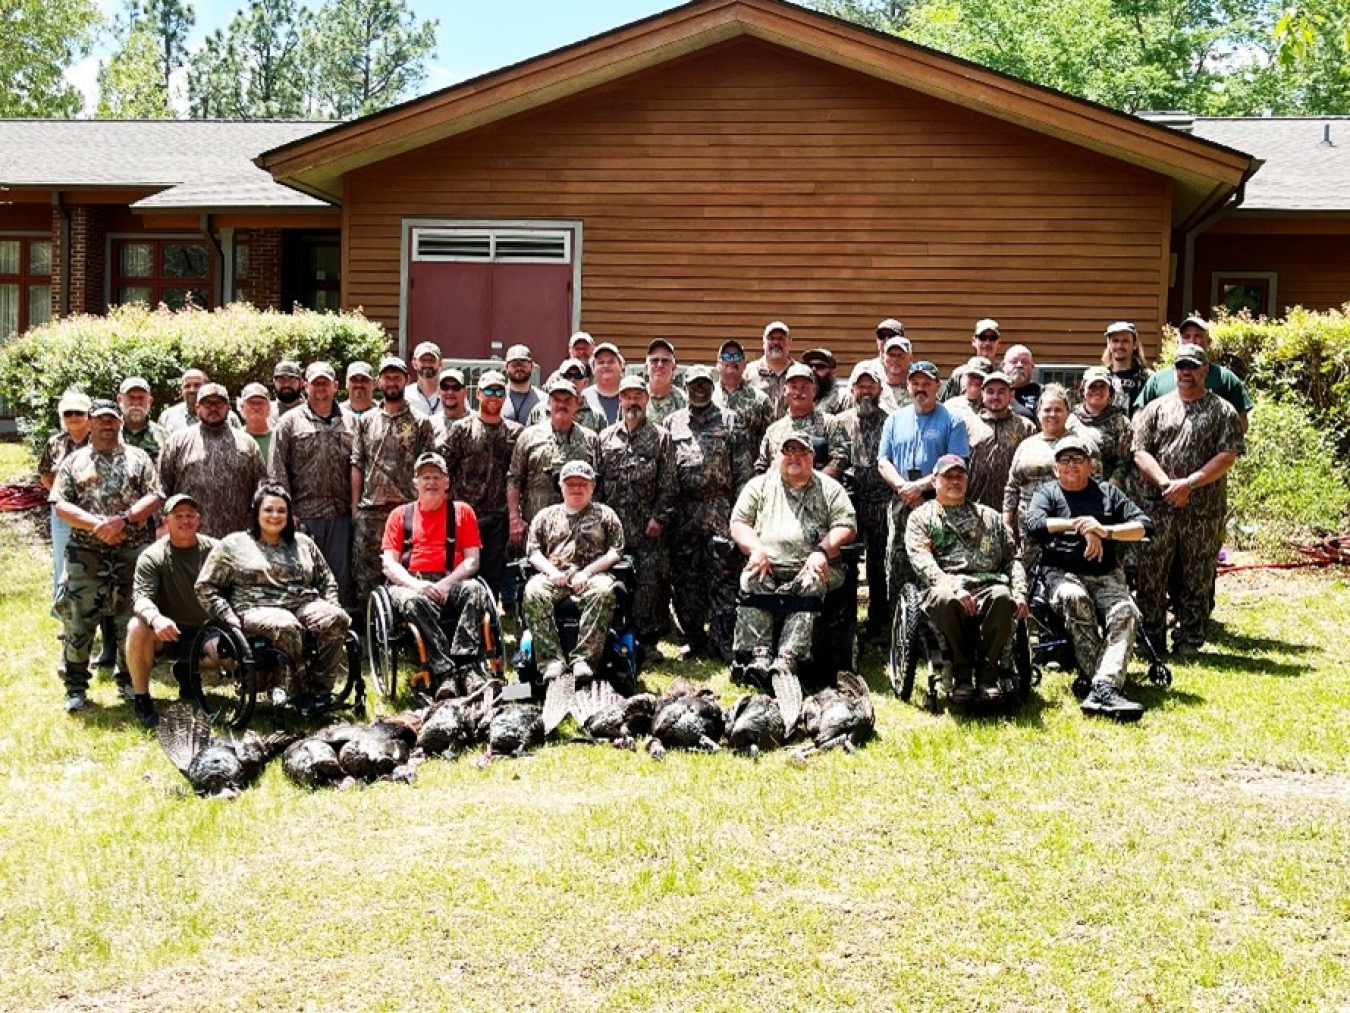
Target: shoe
<point>76,701</point>
<point>124,689</point>
<point>1106,701</point>
<point>1186,651</point>
<point>991,692</point>
<point>582,670</point>
<point>554,670</point>
<point>144,709</point>
<point>963,692</point>
<point>107,657</point>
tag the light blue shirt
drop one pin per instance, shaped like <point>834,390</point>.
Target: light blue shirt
<point>914,442</point>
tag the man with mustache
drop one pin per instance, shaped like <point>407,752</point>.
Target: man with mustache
<point>425,394</point>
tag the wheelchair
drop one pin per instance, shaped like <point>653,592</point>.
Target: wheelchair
<point>1051,645</point>
<point>226,680</point>
<point>620,660</point>
<point>917,646</point>
<point>394,643</point>
<point>835,645</point>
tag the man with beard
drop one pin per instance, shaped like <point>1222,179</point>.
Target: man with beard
<point>1019,366</point>
<point>311,459</point>
<point>712,464</point>
<point>385,444</point>
<point>216,465</point>
<point>288,383</point>
<point>831,397</point>
<point>799,393</point>
<point>477,451</point>
<point>602,397</point>
<point>871,495</point>
<point>1185,443</point>
<point>911,442</point>
<point>792,523</point>
<point>666,398</point>
<point>521,394</point>
<point>541,451</point>
<point>184,413</point>
<point>108,493</point>
<point>578,375</point>
<point>454,402</point>
<point>994,438</point>
<point>135,399</point>
<point>581,346</point>
<point>887,329</point>
<point>749,404</point>
<point>768,372</point>
<point>360,392</point>
<point>1123,357</point>
<point>896,356</point>
<point>425,394</point>
<point>1218,378</point>
<point>635,477</point>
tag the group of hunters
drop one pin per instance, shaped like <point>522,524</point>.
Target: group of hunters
<point>281,512</point>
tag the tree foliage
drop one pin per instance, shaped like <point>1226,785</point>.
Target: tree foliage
<point>40,39</point>
<point>129,84</point>
<point>169,22</point>
<point>367,54</point>
<point>253,68</point>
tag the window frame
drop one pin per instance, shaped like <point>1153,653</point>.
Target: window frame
<point>157,281</point>
<point>1268,280</point>
<point>25,279</point>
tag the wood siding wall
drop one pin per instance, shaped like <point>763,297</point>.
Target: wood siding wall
<point>1313,271</point>
<point>749,183</point>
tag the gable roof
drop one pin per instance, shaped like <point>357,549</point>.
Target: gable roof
<point>1205,173</point>
<point>1299,172</point>
<point>190,164</point>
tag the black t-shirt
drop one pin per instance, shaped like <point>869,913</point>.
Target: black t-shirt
<point>1028,397</point>
<point>1064,551</point>
<point>1131,382</point>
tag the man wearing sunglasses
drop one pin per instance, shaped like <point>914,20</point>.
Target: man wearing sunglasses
<point>578,374</point>
<point>748,403</point>
<point>454,402</point>
<point>477,451</point>
<point>1078,521</point>
<point>1185,443</point>
<point>1218,378</point>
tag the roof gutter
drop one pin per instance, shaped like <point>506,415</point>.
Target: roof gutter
<point>220,258</point>
<point>1196,225</point>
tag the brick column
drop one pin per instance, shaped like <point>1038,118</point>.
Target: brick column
<point>262,281</point>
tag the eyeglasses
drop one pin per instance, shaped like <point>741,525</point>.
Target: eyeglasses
<point>1071,459</point>
<point>492,392</point>
<point>451,385</point>
<point>660,362</point>
<point>986,338</point>
<point>73,415</point>
<point>732,356</point>
<point>794,450</point>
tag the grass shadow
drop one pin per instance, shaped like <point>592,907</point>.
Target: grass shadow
<point>1252,665</point>
<point>1152,696</point>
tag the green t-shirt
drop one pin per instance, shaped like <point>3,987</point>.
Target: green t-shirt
<point>1220,379</point>
<point>165,579</point>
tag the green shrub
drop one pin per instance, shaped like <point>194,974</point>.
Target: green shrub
<point>235,345</point>
<point>1287,486</point>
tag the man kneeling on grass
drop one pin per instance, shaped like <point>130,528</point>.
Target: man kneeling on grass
<point>1079,520</point>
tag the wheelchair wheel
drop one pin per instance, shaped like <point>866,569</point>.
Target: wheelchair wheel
<point>1160,674</point>
<point>223,686</point>
<point>353,690</point>
<point>382,636</point>
<point>908,645</point>
<point>493,643</point>
<point>1025,673</point>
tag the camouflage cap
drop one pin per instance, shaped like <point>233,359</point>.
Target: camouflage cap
<point>1071,444</point>
<point>453,373</point>
<point>208,390</point>
<point>177,500</point>
<point>393,362</point>
<point>925,367</point>
<point>1189,353</point>
<point>1096,374</point>
<point>561,386</point>
<point>949,462</point>
<point>251,390</point>
<point>818,355</point>
<point>317,369</point>
<point>287,367</point>
<point>865,369</point>
<point>360,368</point>
<point>491,378</point>
<point>430,459</point>
<point>897,341</point>
<point>519,352</point>
<point>427,348</point>
<point>891,325</point>
<point>577,469</point>
<point>997,376</point>
<point>698,372</point>
<point>102,406</point>
<point>798,437</point>
<point>987,324</point>
<point>632,383</point>
<point>977,364</point>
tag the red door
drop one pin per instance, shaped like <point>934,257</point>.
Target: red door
<point>476,292</point>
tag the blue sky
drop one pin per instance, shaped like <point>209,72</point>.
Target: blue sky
<point>473,37</point>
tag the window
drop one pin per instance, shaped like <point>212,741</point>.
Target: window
<point>526,246</point>
<point>169,271</point>
<point>25,283</point>
<point>1253,291</point>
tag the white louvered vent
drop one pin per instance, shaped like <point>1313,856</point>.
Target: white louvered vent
<point>483,246</point>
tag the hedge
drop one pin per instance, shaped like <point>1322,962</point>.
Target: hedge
<point>235,345</point>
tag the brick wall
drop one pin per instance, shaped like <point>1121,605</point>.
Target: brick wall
<point>262,283</point>
<point>87,259</point>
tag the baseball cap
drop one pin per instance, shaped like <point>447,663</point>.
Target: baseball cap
<point>393,362</point>
<point>796,436</point>
<point>897,341</point>
<point>359,368</point>
<point>577,469</point>
<point>212,390</point>
<point>775,325</point>
<point>925,367</point>
<point>1199,322</point>
<point>430,458</point>
<point>102,406</point>
<point>660,343</point>
<point>318,369</point>
<point>74,401</point>
<point>818,355</point>
<point>1072,444</point>
<point>561,385</point>
<point>987,324</point>
<point>490,378</point>
<point>250,391</point>
<point>731,343</point>
<point>134,383</point>
<point>608,346</point>
<point>427,348</point>
<point>519,352</point>
<point>287,367</point>
<point>892,325</point>
<point>799,371</point>
<point>177,500</point>
<point>1125,325</point>
<point>1191,353</point>
<point>632,383</point>
<point>997,376</point>
<point>947,462</point>
<point>454,373</point>
<point>580,336</point>
<point>977,364</point>
<point>865,369</point>
<point>1096,374</point>
<point>698,372</point>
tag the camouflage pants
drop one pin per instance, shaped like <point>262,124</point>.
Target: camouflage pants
<point>1195,540</point>
<point>1103,655</point>
<point>462,614</point>
<point>596,605</point>
<point>96,585</point>
<point>704,593</point>
<point>333,535</point>
<point>994,612</point>
<point>874,525</point>
<point>326,622</point>
<point>651,597</point>
<point>754,626</point>
<point>897,559</point>
<point>367,566</point>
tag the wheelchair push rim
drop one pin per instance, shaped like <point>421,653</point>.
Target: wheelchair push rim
<point>226,691</point>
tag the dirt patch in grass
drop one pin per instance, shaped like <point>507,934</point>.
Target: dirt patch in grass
<point>1273,784</point>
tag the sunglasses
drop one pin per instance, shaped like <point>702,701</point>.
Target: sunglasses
<point>732,356</point>
<point>794,450</point>
<point>1071,459</point>
<point>492,392</point>
<point>451,385</point>
<point>73,415</point>
<point>1188,366</point>
<point>986,338</point>
<point>573,374</point>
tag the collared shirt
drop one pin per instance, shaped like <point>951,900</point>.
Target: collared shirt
<point>571,541</point>
<point>311,459</point>
<point>220,468</point>
<point>913,442</point>
<point>384,448</point>
<point>967,545</point>
<point>106,482</point>
<point>428,404</point>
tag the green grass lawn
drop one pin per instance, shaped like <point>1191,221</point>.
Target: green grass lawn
<point>1199,860</point>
